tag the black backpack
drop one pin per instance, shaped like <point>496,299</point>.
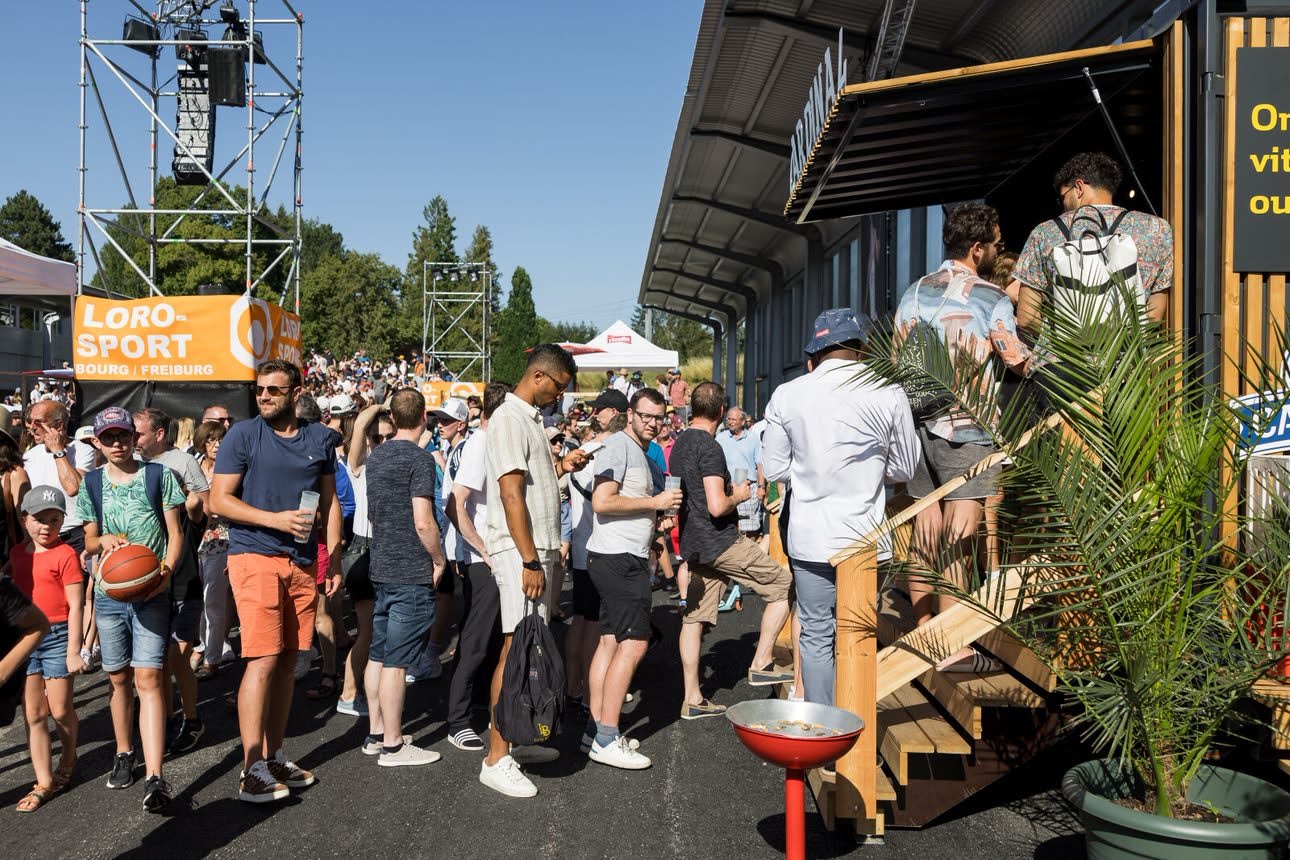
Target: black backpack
<point>531,706</point>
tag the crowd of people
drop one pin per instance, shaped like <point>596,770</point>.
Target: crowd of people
<point>348,503</point>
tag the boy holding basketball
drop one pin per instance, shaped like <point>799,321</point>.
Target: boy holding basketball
<point>48,572</point>
<point>118,509</point>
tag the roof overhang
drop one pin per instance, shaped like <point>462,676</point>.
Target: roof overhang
<point>953,135</point>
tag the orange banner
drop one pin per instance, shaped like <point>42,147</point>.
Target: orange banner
<point>436,393</point>
<point>180,338</point>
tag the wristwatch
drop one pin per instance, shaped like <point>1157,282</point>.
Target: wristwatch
<point>58,455</point>
<point>533,565</point>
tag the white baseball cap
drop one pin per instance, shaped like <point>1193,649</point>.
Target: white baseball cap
<point>324,404</point>
<point>454,409</point>
<point>342,404</point>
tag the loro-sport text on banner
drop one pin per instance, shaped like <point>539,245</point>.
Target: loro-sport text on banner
<point>181,338</point>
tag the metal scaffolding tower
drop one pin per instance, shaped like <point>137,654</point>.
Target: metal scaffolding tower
<point>272,103</point>
<point>456,312</point>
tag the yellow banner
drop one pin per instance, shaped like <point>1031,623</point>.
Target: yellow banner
<point>436,393</point>
<point>180,338</point>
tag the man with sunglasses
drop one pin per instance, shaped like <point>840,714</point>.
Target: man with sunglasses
<point>58,461</point>
<point>627,511</point>
<point>263,467</point>
<point>523,524</point>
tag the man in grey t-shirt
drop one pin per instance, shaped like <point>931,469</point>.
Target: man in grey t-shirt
<point>627,512</point>
<point>407,560</point>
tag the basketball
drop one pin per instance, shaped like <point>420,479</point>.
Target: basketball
<point>130,573</point>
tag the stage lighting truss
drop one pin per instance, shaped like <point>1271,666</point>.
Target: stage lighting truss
<point>272,121</point>
<point>456,299</point>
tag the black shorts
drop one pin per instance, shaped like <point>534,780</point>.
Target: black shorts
<point>355,567</point>
<point>448,582</point>
<point>185,620</point>
<point>586,600</point>
<point>625,600</point>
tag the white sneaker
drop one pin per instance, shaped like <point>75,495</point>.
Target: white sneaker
<point>507,778</point>
<point>619,754</point>
<point>407,756</point>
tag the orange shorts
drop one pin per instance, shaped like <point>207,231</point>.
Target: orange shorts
<point>275,603</point>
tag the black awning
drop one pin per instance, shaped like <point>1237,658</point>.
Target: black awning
<point>954,135</point>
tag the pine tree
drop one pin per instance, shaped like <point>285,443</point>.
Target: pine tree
<point>26,222</point>
<point>517,329</point>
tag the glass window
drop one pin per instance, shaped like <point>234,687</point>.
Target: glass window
<point>903,250</point>
<point>853,270</point>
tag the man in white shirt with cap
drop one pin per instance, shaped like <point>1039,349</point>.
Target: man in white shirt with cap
<point>836,439</point>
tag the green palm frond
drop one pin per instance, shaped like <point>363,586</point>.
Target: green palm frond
<point>1148,607</point>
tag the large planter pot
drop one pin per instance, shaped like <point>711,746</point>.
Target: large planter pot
<point>1261,810</point>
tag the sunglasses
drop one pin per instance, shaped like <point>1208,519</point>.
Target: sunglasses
<point>272,390</point>
<point>114,438</point>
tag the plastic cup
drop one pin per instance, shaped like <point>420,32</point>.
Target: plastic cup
<point>672,483</point>
<point>308,502</point>
<point>739,476</point>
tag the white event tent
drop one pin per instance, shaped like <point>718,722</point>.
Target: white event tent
<point>621,346</point>
<point>23,273</point>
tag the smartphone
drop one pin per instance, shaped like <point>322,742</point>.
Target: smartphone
<point>591,448</point>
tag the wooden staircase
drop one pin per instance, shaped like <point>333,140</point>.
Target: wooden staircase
<point>940,737</point>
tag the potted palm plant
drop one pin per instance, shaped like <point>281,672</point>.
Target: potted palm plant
<point>1141,589</point>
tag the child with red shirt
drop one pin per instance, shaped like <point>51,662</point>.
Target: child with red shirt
<point>48,572</point>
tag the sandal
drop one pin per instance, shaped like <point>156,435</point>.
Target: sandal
<point>64,774</point>
<point>325,689</point>
<point>36,798</point>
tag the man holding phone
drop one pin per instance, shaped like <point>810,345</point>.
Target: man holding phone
<point>267,473</point>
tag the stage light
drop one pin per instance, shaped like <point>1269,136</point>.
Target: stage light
<point>228,13</point>
<point>141,30</point>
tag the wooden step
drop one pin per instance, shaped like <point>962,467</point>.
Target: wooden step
<point>823,785</point>
<point>1020,659</point>
<point>909,724</point>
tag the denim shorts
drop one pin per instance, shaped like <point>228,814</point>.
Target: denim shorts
<point>566,523</point>
<point>50,657</point>
<point>400,621</point>
<point>133,634</point>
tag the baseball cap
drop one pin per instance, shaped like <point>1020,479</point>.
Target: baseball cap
<point>43,498</point>
<point>113,418</point>
<point>84,433</point>
<point>611,398</point>
<point>835,326</point>
<point>454,409</point>
<point>341,404</point>
<point>553,432</point>
<point>324,403</point>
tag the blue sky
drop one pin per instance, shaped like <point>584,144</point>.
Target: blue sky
<point>550,122</point>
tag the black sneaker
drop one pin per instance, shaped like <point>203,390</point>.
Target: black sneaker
<point>186,738</point>
<point>122,775</point>
<point>156,794</point>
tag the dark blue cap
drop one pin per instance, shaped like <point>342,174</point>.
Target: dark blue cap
<point>113,418</point>
<point>835,326</point>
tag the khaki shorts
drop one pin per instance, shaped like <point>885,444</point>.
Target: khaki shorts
<point>276,601</point>
<point>744,563</point>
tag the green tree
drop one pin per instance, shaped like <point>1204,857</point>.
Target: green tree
<point>26,222</point>
<point>433,241</point>
<point>565,332</point>
<point>348,302</point>
<point>517,329</point>
<point>319,241</point>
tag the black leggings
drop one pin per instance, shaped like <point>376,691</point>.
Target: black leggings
<point>479,643</point>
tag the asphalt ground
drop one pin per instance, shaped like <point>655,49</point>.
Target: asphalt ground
<point>705,796</point>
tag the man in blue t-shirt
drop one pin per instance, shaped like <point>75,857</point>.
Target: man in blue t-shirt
<point>263,467</point>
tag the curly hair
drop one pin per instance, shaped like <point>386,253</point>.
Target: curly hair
<point>1096,169</point>
<point>967,225</point>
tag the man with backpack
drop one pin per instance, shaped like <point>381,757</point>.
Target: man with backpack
<point>523,527</point>
<point>975,321</point>
<point>1093,250</point>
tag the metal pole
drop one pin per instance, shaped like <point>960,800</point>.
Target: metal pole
<point>1115,138</point>
<point>299,164</point>
<point>152,175</point>
<point>425,311</point>
<point>80,170</point>
<point>249,47</point>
